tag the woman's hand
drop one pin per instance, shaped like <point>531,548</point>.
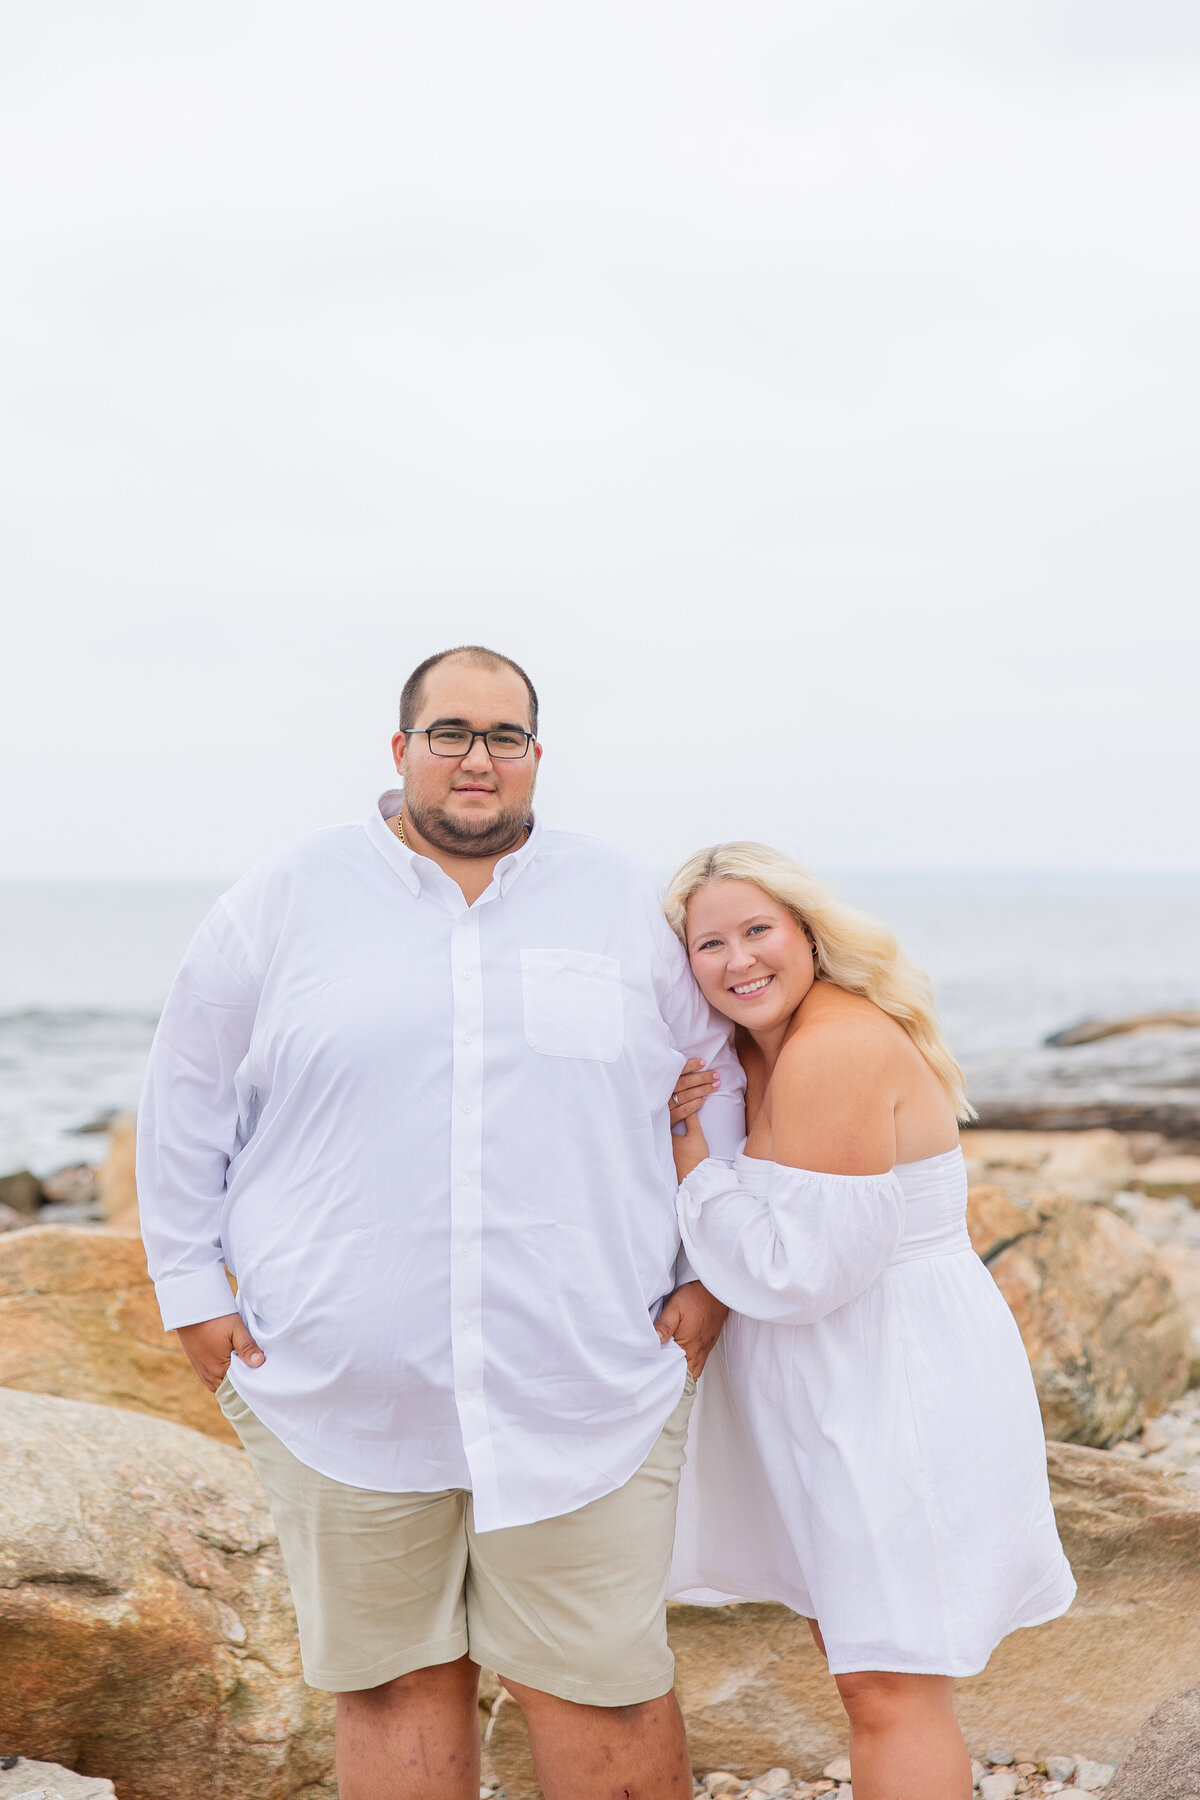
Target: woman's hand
<point>691,1090</point>
<point>693,1317</point>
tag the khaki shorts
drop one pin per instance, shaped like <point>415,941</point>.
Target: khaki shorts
<point>383,1584</point>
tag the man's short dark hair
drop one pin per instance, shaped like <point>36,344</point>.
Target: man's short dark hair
<point>411,692</point>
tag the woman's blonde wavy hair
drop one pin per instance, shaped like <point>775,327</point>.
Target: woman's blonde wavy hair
<point>853,951</point>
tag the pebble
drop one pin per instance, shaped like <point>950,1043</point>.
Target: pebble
<point>1093,1775</point>
<point>999,1759</point>
<point>1001,1785</point>
<point>977,1773</point>
<point>838,1769</point>
<point>1074,1793</point>
<point>721,1782</point>
<point>1060,1768</point>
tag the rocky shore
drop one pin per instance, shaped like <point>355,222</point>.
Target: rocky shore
<point>145,1628</point>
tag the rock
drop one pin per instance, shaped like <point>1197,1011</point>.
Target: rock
<point>838,1769</point>
<point>74,1186</point>
<point>22,1191</point>
<point>145,1624</point>
<point>1093,1775</point>
<point>999,1759</point>
<point>1163,1761</point>
<point>1167,1176</point>
<point>978,1771</point>
<point>11,1220</point>
<point>1107,1337</point>
<point>1075,1793</point>
<point>1090,1031</point>
<point>773,1782</point>
<point>1001,1784</point>
<point>1147,1083</point>
<point>50,1779</point>
<point>995,1219</point>
<point>78,1318</point>
<point>721,1783</point>
<point>1060,1768</point>
<point>115,1178</point>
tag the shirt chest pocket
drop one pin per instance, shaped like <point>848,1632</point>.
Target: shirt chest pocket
<point>573,1004</point>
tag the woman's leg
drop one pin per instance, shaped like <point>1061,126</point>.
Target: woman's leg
<point>905,1743</point>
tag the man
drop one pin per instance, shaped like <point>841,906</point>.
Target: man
<point>411,1088</point>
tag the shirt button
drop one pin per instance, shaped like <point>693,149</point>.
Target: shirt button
<point>466,1106</point>
<point>464,1324</point>
<point>464,1249</point>
<point>467,1038</point>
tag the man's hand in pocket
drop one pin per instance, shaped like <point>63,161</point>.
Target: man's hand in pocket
<point>211,1345</point>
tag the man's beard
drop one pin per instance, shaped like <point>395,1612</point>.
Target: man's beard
<point>459,836</point>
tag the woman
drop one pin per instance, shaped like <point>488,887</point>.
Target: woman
<point>868,1448</point>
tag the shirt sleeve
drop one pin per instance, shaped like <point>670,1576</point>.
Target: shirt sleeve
<point>807,1245</point>
<point>188,1120</point>
<point>698,1030</point>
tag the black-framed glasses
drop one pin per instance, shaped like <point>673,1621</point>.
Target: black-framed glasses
<point>503,743</point>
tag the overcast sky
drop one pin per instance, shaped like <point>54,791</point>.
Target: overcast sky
<point>808,396</point>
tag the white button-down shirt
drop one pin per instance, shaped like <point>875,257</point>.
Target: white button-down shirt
<point>431,1142</point>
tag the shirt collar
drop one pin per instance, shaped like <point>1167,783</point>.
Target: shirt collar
<point>409,866</point>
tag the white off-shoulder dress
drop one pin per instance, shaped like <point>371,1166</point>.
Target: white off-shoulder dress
<point>866,1444</point>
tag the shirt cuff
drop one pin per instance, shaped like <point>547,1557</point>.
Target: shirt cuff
<point>191,1298</point>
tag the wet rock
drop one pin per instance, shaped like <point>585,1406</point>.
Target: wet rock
<point>22,1191</point>
<point>1163,1761</point>
<point>78,1318</point>
<point>1144,1083</point>
<point>146,1630</point>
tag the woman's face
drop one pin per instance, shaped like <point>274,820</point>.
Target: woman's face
<point>751,959</point>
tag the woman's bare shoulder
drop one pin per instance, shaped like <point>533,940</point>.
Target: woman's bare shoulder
<point>834,1091</point>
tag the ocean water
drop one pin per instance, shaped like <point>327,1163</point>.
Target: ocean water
<point>84,968</point>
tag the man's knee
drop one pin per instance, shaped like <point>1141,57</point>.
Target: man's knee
<point>439,1681</point>
<point>536,1704</point>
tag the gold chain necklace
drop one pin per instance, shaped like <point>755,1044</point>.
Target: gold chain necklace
<point>400,830</point>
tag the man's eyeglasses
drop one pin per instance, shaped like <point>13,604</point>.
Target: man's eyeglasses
<point>503,743</point>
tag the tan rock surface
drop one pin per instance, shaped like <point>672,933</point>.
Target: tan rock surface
<point>996,1219</point>
<point>1167,1176</point>
<point>756,1694</point>
<point>1163,1761</point>
<point>78,1318</point>
<point>1085,1165</point>
<point>115,1178</point>
<point>1106,1334</point>
<point>146,1631</point>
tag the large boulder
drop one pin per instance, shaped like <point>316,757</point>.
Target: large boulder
<point>78,1318</point>
<point>146,1630</point>
<point>1106,1333</point>
<point>1163,1761</point>
<point>757,1695</point>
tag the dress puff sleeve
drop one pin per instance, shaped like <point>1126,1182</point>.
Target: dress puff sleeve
<point>793,1247</point>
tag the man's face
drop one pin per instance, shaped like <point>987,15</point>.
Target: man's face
<point>476,804</point>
